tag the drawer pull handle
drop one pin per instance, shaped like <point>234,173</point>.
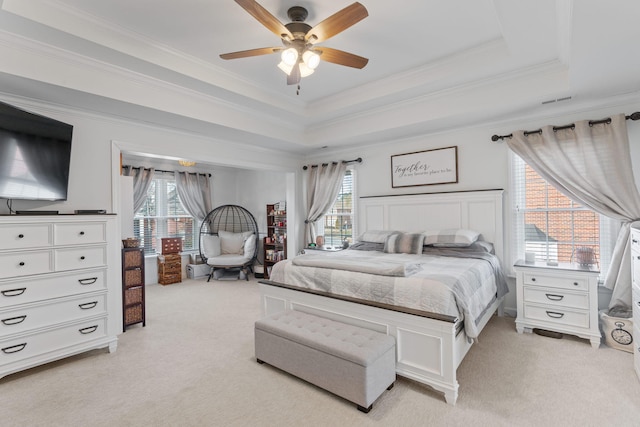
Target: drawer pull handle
<point>89,281</point>
<point>88,330</point>
<point>14,348</point>
<point>634,241</point>
<point>533,279</point>
<point>82,257</point>
<point>14,320</point>
<point>88,305</point>
<point>13,292</point>
<point>20,236</point>
<point>21,263</point>
<point>554,297</point>
<point>555,314</point>
<point>576,284</point>
<point>82,233</point>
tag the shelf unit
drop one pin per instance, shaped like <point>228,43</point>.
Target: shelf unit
<point>275,243</point>
<point>133,307</point>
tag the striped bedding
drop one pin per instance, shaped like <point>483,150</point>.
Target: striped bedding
<point>461,287</point>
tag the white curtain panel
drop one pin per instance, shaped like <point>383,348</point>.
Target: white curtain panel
<point>142,179</point>
<point>194,190</point>
<point>591,164</point>
<point>323,184</point>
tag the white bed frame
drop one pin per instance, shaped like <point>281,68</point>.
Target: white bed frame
<point>429,349</point>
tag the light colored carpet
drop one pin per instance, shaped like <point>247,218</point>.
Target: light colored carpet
<point>193,365</point>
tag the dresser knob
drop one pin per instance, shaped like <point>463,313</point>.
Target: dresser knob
<point>20,236</point>
<point>21,264</point>
<point>575,283</point>
<point>533,279</point>
<point>82,257</point>
<point>82,233</point>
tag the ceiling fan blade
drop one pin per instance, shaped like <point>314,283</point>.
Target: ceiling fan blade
<point>336,23</point>
<point>294,76</point>
<point>250,52</point>
<point>265,18</point>
<point>341,57</point>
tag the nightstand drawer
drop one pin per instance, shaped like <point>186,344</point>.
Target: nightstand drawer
<point>554,297</point>
<point>557,316</point>
<point>636,306</point>
<point>556,281</point>
<point>635,267</point>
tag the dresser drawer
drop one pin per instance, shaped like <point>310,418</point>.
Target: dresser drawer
<point>28,290</point>
<point>25,263</point>
<point>635,239</point>
<point>555,297</point>
<point>76,258</point>
<point>557,316</point>
<point>17,349</point>
<point>79,233</point>
<point>635,267</point>
<point>41,314</point>
<point>24,236</point>
<point>580,284</point>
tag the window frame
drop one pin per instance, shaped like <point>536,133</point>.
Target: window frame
<point>143,224</point>
<point>322,222</point>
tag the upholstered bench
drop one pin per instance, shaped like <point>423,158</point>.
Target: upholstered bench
<point>355,363</point>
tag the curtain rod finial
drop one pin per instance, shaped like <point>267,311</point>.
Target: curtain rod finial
<point>634,116</point>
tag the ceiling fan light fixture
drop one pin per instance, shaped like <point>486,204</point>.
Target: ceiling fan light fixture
<point>311,59</point>
<point>305,70</point>
<point>286,68</point>
<point>289,56</point>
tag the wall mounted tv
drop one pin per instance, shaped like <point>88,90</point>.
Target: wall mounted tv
<point>35,154</point>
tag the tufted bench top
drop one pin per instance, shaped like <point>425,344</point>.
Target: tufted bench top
<point>358,345</point>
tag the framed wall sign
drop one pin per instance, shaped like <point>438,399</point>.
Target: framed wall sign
<point>430,167</point>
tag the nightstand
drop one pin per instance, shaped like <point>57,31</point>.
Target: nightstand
<point>561,298</point>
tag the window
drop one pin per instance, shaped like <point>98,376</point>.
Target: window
<point>337,225</point>
<point>163,215</point>
<point>552,226</point>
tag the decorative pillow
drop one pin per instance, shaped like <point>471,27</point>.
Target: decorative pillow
<point>404,243</point>
<point>249,246</point>
<point>233,243</point>
<point>211,246</point>
<point>452,238</point>
<point>376,236</point>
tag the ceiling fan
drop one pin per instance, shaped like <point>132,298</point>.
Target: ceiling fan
<point>300,56</point>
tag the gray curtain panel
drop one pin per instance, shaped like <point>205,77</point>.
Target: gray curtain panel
<point>591,164</point>
<point>194,191</point>
<point>142,179</point>
<point>323,183</point>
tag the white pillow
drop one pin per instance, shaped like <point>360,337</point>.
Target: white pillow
<point>210,246</point>
<point>233,243</point>
<point>250,246</point>
<point>452,238</point>
<point>376,236</point>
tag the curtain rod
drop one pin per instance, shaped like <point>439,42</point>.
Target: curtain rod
<point>358,160</point>
<point>632,116</point>
<point>163,171</point>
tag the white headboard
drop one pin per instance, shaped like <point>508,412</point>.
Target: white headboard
<point>476,210</point>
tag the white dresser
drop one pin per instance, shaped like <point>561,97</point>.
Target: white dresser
<point>59,287</point>
<point>561,299</point>
<point>635,271</point>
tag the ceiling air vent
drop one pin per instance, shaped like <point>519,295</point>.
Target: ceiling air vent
<point>551,101</point>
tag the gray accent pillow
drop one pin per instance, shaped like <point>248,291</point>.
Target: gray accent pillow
<point>404,243</point>
<point>375,236</point>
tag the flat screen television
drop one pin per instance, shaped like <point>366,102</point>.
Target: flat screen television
<point>35,155</point>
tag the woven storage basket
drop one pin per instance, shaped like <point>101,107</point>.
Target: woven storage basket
<point>132,259</point>
<point>131,243</point>
<point>133,277</point>
<point>133,296</point>
<point>168,279</point>
<point>133,314</point>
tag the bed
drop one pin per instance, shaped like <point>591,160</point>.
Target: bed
<point>386,292</point>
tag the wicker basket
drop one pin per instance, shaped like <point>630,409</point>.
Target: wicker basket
<point>132,259</point>
<point>133,296</point>
<point>133,314</point>
<point>131,242</point>
<point>133,277</point>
